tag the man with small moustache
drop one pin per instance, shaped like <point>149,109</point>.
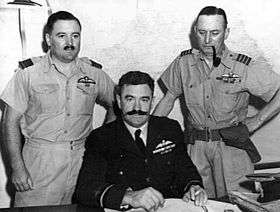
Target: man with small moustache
<point>138,160</point>
<point>50,101</point>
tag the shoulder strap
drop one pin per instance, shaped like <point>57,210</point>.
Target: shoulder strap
<point>25,63</point>
<point>186,52</point>
<point>243,59</point>
<point>95,64</point>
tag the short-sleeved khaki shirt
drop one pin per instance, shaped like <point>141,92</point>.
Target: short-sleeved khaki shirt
<point>210,101</point>
<point>54,107</point>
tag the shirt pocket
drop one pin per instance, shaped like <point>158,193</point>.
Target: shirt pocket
<point>227,97</point>
<point>46,97</point>
<point>84,99</point>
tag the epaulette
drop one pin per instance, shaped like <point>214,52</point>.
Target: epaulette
<point>91,62</point>
<point>25,63</point>
<point>243,59</point>
<point>95,64</point>
<point>186,52</point>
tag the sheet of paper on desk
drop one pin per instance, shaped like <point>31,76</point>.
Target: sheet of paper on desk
<point>178,205</point>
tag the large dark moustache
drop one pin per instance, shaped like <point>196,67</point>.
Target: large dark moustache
<point>138,112</point>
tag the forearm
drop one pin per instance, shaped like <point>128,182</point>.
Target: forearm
<point>165,105</point>
<point>110,115</point>
<point>12,139</point>
<point>270,110</point>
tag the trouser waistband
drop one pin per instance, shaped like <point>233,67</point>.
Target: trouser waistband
<point>71,145</point>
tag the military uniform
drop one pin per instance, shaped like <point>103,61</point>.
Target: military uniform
<point>218,98</point>
<point>57,117</point>
<point>114,163</point>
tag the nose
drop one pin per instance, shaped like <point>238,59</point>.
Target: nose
<point>137,105</point>
<point>207,38</point>
<point>69,40</point>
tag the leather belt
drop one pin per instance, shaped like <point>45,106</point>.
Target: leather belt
<point>206,135</point>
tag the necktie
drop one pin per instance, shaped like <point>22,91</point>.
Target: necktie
<point>139,142</point>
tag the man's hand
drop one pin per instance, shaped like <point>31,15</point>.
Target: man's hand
<point>197,194</point>
<point>253,123</point>
<point>22,180</point>
<point>148,198</point>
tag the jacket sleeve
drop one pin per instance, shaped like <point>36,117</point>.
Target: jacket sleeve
<point>186,172</point>
<point>92,189</point>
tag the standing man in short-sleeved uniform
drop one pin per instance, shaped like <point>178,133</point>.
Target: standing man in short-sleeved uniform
<point>50,100</point>
<point>215,83</point>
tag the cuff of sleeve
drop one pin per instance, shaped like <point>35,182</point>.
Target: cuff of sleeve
<point>113,196</point>
<point>193,182</point>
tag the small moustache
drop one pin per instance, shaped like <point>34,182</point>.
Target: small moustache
<point>69,47</point>
<point>138,112</point>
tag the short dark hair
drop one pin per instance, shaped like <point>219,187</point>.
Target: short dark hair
<point>60,15</point>
<point>135,78</point>
<point>212,10</point>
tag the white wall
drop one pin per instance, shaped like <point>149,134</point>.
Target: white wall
<point>146,35</point>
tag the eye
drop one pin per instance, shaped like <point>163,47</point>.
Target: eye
<point>76,36</point>
<point>201,32</point>
<point>146,99</point>
<point>215,32</point>
<point>61,36</point>
<point>129,99</point>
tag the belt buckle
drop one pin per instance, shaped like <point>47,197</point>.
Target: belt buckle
<point>208,133</point>
<point>71,145</point>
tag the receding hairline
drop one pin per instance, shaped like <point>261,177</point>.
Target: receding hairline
<point>224,21</point>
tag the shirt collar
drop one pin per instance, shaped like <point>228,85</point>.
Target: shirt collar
<point>144,130</point>
<point>51,63</point>
<point>226,54</point>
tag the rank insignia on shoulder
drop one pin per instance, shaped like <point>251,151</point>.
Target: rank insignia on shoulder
<point>25,63</point>
<point>86,81</point>
<point>91,62</point>
<point>95,64</point>
<point>186,52</point>
<point>243,59</point>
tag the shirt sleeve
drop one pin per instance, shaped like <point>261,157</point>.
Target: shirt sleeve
<point>15,93</point>
<point>171,77</point>
<point>261,80</point>
<point>105,89</point>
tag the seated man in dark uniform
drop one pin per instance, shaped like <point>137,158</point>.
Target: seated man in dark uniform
<point>139,159</point>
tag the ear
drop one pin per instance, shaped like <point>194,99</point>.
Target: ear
<point>195,29</point>
<point>118,100</point>
<point>48,39</point>
<point>227,33</point>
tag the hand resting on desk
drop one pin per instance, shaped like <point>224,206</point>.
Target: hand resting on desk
<point>178,205</point>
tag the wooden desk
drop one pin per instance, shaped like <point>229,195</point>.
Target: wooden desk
<point>59,208</point>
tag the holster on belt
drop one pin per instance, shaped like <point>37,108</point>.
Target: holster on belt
<point>235,136</point>
<point>238,136</point>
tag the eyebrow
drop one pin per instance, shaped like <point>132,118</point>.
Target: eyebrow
<point>66,33</point>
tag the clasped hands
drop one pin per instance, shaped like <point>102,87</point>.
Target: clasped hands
<point>150,199</point>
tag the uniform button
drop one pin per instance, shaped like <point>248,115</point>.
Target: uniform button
<point>168,163</point>
<point>68,114</point>
<point>65,131</point>
<point>120,172</point>
<point>68,98</point>
<point>190,86</point>
<point>146,160</point>
<point>148,180</point>
<point>207,97</point>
